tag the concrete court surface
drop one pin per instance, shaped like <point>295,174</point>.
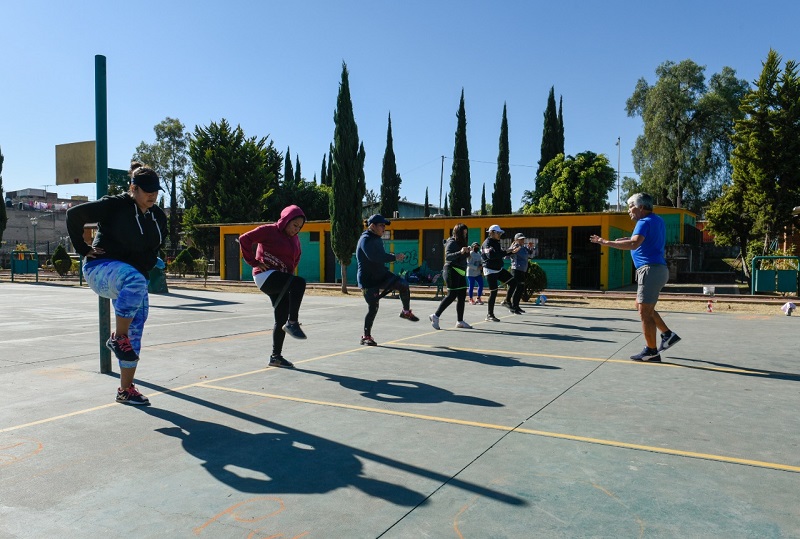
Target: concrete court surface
<point>536,426</point>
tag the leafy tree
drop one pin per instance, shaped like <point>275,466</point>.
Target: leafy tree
<point>3,214</point>
<point>483,200</point>
<point>169,157</point>
<point>233,176</point>
<point>347,181</point>
<point>578,184</point>
<point>371,197</point>
<point>427,204</point>
<point>62,262</point>
<point>460,194</point>
<point>757,207</point>
<point>501,196</point>
<point>390,179</point>
<point>687,129</point>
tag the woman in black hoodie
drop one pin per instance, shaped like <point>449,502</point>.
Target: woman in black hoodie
<point>456,254</point>
<point>130,231</point>
<point>493,254</point>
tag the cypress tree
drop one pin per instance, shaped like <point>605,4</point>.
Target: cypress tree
<point>445,211</point>
<point>3,214</point>
<point>483,200</point>
<point>323,179</point>
<point>329,175</point>
<point>460,195</point>
<point>427,207</point>
<point>298,179</point>
<point>288,170</point>
<point>501,196</point>
<point>390,180</point>
<point>347,181</point>
<point>550,145</point>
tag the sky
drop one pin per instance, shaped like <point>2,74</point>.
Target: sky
<point>274,69</point>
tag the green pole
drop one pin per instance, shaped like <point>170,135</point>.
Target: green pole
<point>101,169</point>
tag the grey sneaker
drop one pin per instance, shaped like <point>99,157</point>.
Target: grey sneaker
<point>650,355</point>
<point>668,340</point>
<point>434,321</point>
<point>463,325</point>
<point>293,329</point>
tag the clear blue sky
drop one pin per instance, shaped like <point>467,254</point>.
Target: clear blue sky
<point>274,68</point>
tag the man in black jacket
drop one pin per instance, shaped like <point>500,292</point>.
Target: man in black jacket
<point>493,254</point>
<point>374,278</point>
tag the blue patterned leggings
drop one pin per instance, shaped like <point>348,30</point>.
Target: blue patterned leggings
<point>126,287</point>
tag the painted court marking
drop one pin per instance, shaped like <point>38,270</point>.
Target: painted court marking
<point>211,384</point>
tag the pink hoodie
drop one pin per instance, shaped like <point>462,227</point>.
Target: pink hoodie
<point>273,247</point>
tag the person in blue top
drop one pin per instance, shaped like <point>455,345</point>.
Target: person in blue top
<point>374,278</point>
<point>647,249</point>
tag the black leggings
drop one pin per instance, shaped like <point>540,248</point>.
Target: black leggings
<point>459,294</point>
<point>373,297</point>
<point>501,277</point>
<point>286,292</point>
<point>516,288</point>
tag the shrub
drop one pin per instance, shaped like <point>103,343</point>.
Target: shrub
<point>62,262</point>
<point>535,281</point>
<point>183,263</point>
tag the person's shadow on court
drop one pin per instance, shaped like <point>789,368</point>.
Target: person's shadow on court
<point>402,391</point>
<point>277,462</point>
<point>494,360</point>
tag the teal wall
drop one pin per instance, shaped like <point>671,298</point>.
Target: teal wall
<point>556,271</point>
<point>308,268</point>
<point>619,262</point>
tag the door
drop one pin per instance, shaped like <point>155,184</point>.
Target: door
<point>433,248</point>
<point>232,265</point>
<point>584,259</point>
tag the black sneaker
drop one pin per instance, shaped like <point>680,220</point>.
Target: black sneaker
<point>517,310</point>
<point>408,315</point>
<point>122,348</point>
<point>293,329</point>
<point>667,340</point>
<point>279,361</point>
<point>508,306</point>
<point>132,396</point>
<point>650,355</point>
<point>492,318</point>
<point>367,340</point>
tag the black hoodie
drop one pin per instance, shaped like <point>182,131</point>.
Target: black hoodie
<point>124,232</point>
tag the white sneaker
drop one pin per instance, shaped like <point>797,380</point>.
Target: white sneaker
<point>434,321</point>
<point>463,325</point>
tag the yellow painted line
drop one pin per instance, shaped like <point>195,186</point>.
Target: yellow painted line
<point>546,434</point>
<point>587,358</point>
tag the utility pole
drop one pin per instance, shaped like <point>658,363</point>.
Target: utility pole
<point>441,179</point>
<point>619,152</point>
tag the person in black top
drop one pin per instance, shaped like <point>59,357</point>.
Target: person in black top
<point>493,254</point>
<point>130,231</point>
<point>456,255</point>
<point>374,278</point>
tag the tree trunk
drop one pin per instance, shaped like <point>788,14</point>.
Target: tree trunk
<point>344,279</point>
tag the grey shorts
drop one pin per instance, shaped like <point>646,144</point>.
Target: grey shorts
<point>651,279</point>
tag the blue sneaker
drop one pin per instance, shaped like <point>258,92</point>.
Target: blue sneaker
<point>667,340</point>
<point>293,330</point>
<point>650,355</point>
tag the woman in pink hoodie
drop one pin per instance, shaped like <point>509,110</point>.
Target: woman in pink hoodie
<point>273,251</point>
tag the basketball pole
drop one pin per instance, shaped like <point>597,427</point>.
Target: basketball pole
<point>101,169</point>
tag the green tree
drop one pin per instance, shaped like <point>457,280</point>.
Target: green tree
<point>560,125</point>
<point>233,177</point>
<point>483,200</point>
<point>61,260</point>
<point>169,157</point>
<point>687,129</point>
<point>757,207</point>
<point>578,184</point>
<point>323,175</point>
<point>288,169</point>
<point>501,196</point>
<point>3,214</point>
<point>427,204</point>
<point>298,177</point>
<point>460,193</point>
<point>552,141</point>
<point>390,179</point>
<point>347,181</point>
<point>445,211</point>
